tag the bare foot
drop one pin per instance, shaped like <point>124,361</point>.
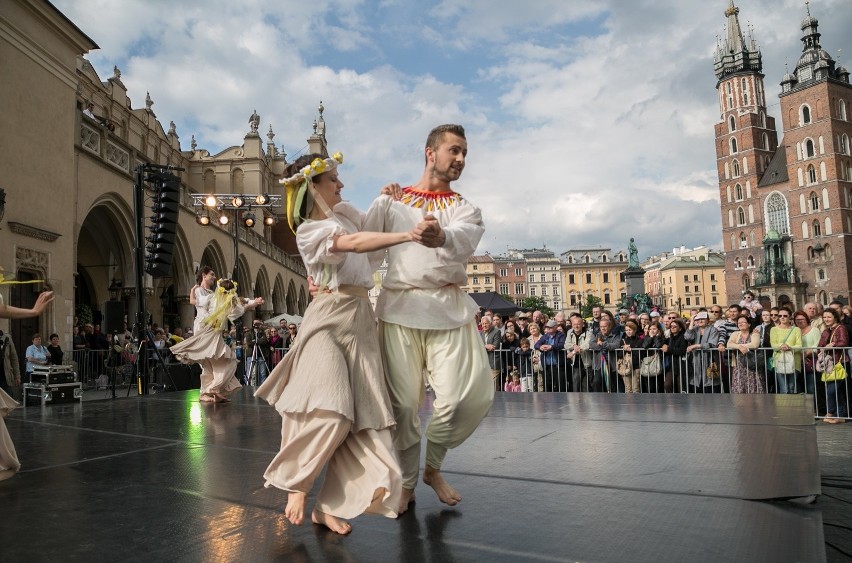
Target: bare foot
<point>220,398</point>
<point>406,499</point>
<point>295,511</point>
<point>207,398</point>
<point>445,492</point>
<point>333,523</point>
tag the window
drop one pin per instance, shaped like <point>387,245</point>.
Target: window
<point>519,289</point>
<point>554,277</point>
<point>714,300</point>
<point>587,259</point>
<point>740,216</point>
<point>733,145</point>
<point>738,264</point>
<point>606,277</point>
<point>573,300</point>
<point>475,267</point>
<point>475,280</point>
<point>487,279</point>
<point>817,230</point>
<point>685,278</point>
<point>730,95</point>
<point>544,290</point>
<point>744,85</point>
<point>765,142</point>
<point>688,301</point>
<point>750,261</point>
<point>518,272</point>
<point>809,149</point>
<point>712,277</point>
<point>607,300</point>
<point>821,274</point>
<point>543,277</point>
<point>555,289</point>
<point>621,276</point>
<point>814,199</point>
<point>713,287</point>
<point>532,278</point>
<point>806,115</point>
<point>738,192</point>
<point>743,241</point>
<point>732,124</point>
<point>571,279</point>
<point>532,291</point>
<point>694,277</point>
<point>504,272</point>
<point>844,143</point>
<point>841,109</point>
<point>570,259</point>
<point>812,178</point>
<point>603,258</point>
<point>776,213</point>
<point>504,288</point>
<point>695,289</point>
<point>588,278</point>
<point>697,300</point>
<point>735,165</point>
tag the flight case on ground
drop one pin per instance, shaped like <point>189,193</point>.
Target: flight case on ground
<point>53,384</point>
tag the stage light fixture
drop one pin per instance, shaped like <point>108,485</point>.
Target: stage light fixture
<point>211,201</point>
<point>249,219</point>
<point>202,220</point>
<point>237,201</point>
<point>269,220</point>
<point>223,219</point>
<point>262,199</point>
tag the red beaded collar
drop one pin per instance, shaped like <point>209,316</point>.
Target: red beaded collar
<point>432,201</point>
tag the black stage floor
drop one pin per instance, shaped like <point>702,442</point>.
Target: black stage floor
<point>547,477</point>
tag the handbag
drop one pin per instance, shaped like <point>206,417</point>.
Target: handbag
<point>536,362</point>
<point>783,360</point>
<point>749,361</point>
<point>713,371</point>
<point>624,366</point>
<point>650,366</point>
<point>837,373</point>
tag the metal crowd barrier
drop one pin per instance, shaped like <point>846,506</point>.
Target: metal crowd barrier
<point>763,370</point>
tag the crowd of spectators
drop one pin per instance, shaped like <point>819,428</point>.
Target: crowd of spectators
<point>741,348</point>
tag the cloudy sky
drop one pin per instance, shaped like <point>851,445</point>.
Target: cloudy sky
<point>588,122</point>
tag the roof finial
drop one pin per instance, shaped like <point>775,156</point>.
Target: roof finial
<point>808,6</point>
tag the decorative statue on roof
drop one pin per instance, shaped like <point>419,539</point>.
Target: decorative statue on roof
<point>633,258</point>
<point>254,121</point>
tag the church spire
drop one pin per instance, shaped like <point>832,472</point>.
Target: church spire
<point>735,54</point>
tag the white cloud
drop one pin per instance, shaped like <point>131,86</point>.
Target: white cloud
<point>588,123</point>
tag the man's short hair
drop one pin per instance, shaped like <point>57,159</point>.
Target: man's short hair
<point>436,135</point>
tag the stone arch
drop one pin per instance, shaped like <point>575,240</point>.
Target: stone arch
<point>303,301</point>
<point>279,295</point>
<point>214,257</point>
<point>290,299</point>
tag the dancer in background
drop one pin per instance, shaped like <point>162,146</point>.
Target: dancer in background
<point>9,464</point>
<point>206,346</point>
<point>329,388</point>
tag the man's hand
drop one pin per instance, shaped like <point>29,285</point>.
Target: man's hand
<point>313,289</point>
<point>429,233</point>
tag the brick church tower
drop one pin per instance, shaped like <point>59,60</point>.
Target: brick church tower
<point>785,210</point>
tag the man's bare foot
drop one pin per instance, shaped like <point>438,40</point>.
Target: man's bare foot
<point>406,499</point>
<point>333,523</point>
<point>295,511</point>
<point>445,492</point>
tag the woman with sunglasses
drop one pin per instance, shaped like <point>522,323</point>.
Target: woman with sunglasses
<point>833,342</point>
<point>810,341</point>
<point>785,340</point>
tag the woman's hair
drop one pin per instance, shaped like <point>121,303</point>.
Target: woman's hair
<point>293,169</point>
<point>746,317</point>
<point>202,271</point>
<point>632,324</point>
<point>679,323</point>
<point>52,336</point>
<point>801,313</point>
<point>833,313</point>
<point>36,335</point>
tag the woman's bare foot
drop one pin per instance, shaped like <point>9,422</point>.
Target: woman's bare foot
<point>445,492</point>
<point>295,511</point>
<point>406,499</point>
<point>207,398</point>
<point>333,523</point>
<point>220,398</point>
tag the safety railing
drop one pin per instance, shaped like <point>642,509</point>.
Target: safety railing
<point>820,372</point>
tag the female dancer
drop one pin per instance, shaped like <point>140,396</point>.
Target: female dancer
<point>9,464</point>
<point>207,347</point>
<point>329,388</point>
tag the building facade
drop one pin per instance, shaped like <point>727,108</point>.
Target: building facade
<point>510,276</point>
<point>687,280</point>
<point>593,271</point>
<point>480,274</point>
<point>785,207</point>
<point>68,179</point>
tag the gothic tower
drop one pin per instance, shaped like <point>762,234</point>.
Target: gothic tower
<point>815,106</point>
<point>745,141</point>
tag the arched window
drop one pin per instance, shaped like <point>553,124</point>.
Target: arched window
<point>823,297</point>
<point>740,216</point>
<point>765,142</point>
<point>732,124</point>
<point>743,241</point>
<point>570,259</point>
<point>587,258</point>
<point>812,177</point>
<point>826,251</point>
<point>730,96</point>
<point>841,109</point>
<point>735,166</point>
<point>814,200</point>
<point>809,148</point>
<point>776,213</point>
<point>746,282</point>
<point>738,264</point>
<point>738,191</point>
<point>744,85</point>
<point>805,114</point>
<point>763,120</point>
<point>603,257</point>
<point>733,242</point>
<point>821,274</point>
<point>817,230</point>
<point>733,145</point>
<point>750,261</point>
<point>844,143</point>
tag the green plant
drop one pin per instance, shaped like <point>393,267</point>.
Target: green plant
<point>83,313</point>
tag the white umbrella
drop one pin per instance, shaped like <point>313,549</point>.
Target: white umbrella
<point>274,321</point>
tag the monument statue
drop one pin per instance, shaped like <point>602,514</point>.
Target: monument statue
<point>633,258</point>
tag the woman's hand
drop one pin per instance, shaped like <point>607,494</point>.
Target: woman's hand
<point>393,190</point>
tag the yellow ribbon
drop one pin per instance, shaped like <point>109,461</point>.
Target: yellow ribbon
<point>4,281</point>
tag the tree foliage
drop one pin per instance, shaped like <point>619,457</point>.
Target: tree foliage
<point>537,304</point>
<point>589,303</point>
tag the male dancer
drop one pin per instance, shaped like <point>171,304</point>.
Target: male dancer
<point>427,321</point>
